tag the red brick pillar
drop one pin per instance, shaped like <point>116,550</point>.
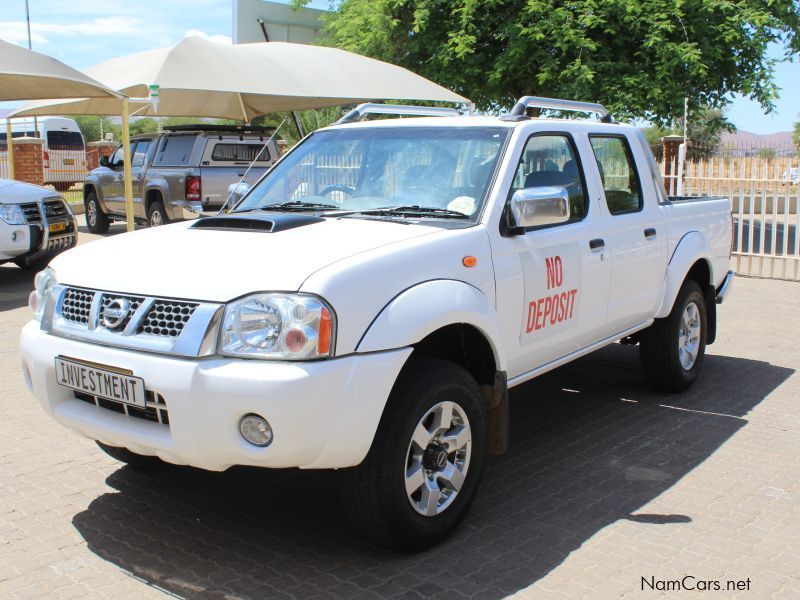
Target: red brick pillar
<point>671,144</point>
<point>28,160</point>
<point>94,150</point>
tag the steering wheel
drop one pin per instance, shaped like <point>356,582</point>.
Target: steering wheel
<point>337,187</point>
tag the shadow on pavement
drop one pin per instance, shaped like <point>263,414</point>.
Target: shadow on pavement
<point>15,286</point>
<point>590,445</point>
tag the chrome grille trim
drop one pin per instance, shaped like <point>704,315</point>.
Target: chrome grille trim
<point>186,332</point>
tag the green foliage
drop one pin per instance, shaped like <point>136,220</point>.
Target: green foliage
<point>92,127</point>
<point>638,57</point>
<point>767,153</point>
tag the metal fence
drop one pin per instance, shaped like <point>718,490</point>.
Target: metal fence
<point>764,194</point>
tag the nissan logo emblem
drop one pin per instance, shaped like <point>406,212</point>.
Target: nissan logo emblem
<point>115,313</point>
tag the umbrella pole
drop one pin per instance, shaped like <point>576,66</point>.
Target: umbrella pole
<point>126,165</point>
<point>10,151</point>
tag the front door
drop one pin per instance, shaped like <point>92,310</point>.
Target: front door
<point>637,240</point>
<point>552,282</point>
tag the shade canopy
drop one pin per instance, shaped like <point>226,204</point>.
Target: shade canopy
<point>200,78</point>
<point>27,75</point>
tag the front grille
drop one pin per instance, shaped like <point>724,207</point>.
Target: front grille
<point>55,209</point>
<point>76,305</point>
<point>32,214</point>
<point>156,410</point>
<point>167,318</point>
<point>107,299</point>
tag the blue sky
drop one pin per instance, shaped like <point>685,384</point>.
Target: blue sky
<point>85,32</point>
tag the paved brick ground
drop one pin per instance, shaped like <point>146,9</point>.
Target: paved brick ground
<point>605,483</point>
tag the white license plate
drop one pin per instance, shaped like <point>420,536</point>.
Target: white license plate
<point>102,381</point>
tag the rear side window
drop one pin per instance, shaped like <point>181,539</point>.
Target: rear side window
<point>239,152</point>
<point>64,140</point>
<point>618,173</point>
<point>175,151</point>
<point>142,146</point>
<point>550,160</point>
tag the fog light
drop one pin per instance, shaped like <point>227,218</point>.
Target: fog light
<point>255,430</point>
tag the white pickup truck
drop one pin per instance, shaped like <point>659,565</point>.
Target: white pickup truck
<point>368,304</point>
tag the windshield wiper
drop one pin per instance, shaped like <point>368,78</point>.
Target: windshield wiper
<point>299,205</point>
<point>415,209</point>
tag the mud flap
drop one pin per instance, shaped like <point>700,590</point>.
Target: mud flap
<point>497,414</point>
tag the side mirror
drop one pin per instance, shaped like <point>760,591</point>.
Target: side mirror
<point>103,161</point>
<point>538,206</point>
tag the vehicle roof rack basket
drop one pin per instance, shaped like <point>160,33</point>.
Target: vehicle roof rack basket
<point>370,108</point>
<point>519,110</point>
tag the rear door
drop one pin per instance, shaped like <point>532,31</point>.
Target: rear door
<point>552,282</point>
<point>64,157</point>
<point>636,239</point>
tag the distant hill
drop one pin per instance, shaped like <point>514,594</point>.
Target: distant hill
<point>745,139</point>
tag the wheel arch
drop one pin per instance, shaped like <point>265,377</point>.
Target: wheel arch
<point>691,261</point>
<point>455,321</point>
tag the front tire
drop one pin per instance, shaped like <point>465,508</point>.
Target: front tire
<point>136,461</point>
<point>96,220</point>
<point>672,349</point>
<point>156,215</point>
<point>423,470</point>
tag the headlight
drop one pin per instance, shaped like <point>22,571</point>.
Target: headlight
<point>279,327</point>
<point>12,214</point>
<point>43,283</point>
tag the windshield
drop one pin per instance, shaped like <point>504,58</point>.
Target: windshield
<point>361,169</point>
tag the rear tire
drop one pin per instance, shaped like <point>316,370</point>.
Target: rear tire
<point>424,467</point>
<point>136,461</point>
<point>96,220</point>
<point>156,215</point>
<point>672,349</point>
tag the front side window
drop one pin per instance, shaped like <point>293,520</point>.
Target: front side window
<point>618,173</point>
<point>442,168</point>
<point>549,161</point>
<point>118,157</point>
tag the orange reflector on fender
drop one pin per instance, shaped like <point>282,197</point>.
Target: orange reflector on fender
<point>324,343</point>
<point>469,261</point>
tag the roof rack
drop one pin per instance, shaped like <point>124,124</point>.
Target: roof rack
<point>370,108</point>
<point>220,128</point>
<point>518,111</point>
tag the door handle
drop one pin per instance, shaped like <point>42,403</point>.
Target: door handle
<point>597,243</point>
<point>650,232</point>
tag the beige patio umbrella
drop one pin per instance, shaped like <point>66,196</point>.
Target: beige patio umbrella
<point>27,75</point>
<point>199,78</point>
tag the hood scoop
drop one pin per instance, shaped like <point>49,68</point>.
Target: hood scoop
<point>261,222</point>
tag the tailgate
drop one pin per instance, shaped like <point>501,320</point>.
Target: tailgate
<point>215,182</point>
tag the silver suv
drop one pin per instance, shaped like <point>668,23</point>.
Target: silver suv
<point>178,174</point>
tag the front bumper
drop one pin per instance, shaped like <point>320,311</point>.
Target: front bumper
<point>323,414</point>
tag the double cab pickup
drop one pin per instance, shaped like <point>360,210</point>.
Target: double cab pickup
<point>367,305</point>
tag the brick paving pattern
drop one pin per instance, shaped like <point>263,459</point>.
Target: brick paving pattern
<point>605,483</point>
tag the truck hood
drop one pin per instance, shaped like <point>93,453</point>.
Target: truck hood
<point>17,192</point>
<point>217,265</point>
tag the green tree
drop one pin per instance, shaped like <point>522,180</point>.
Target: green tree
<point>92,127</point>
<point>638,57</point>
